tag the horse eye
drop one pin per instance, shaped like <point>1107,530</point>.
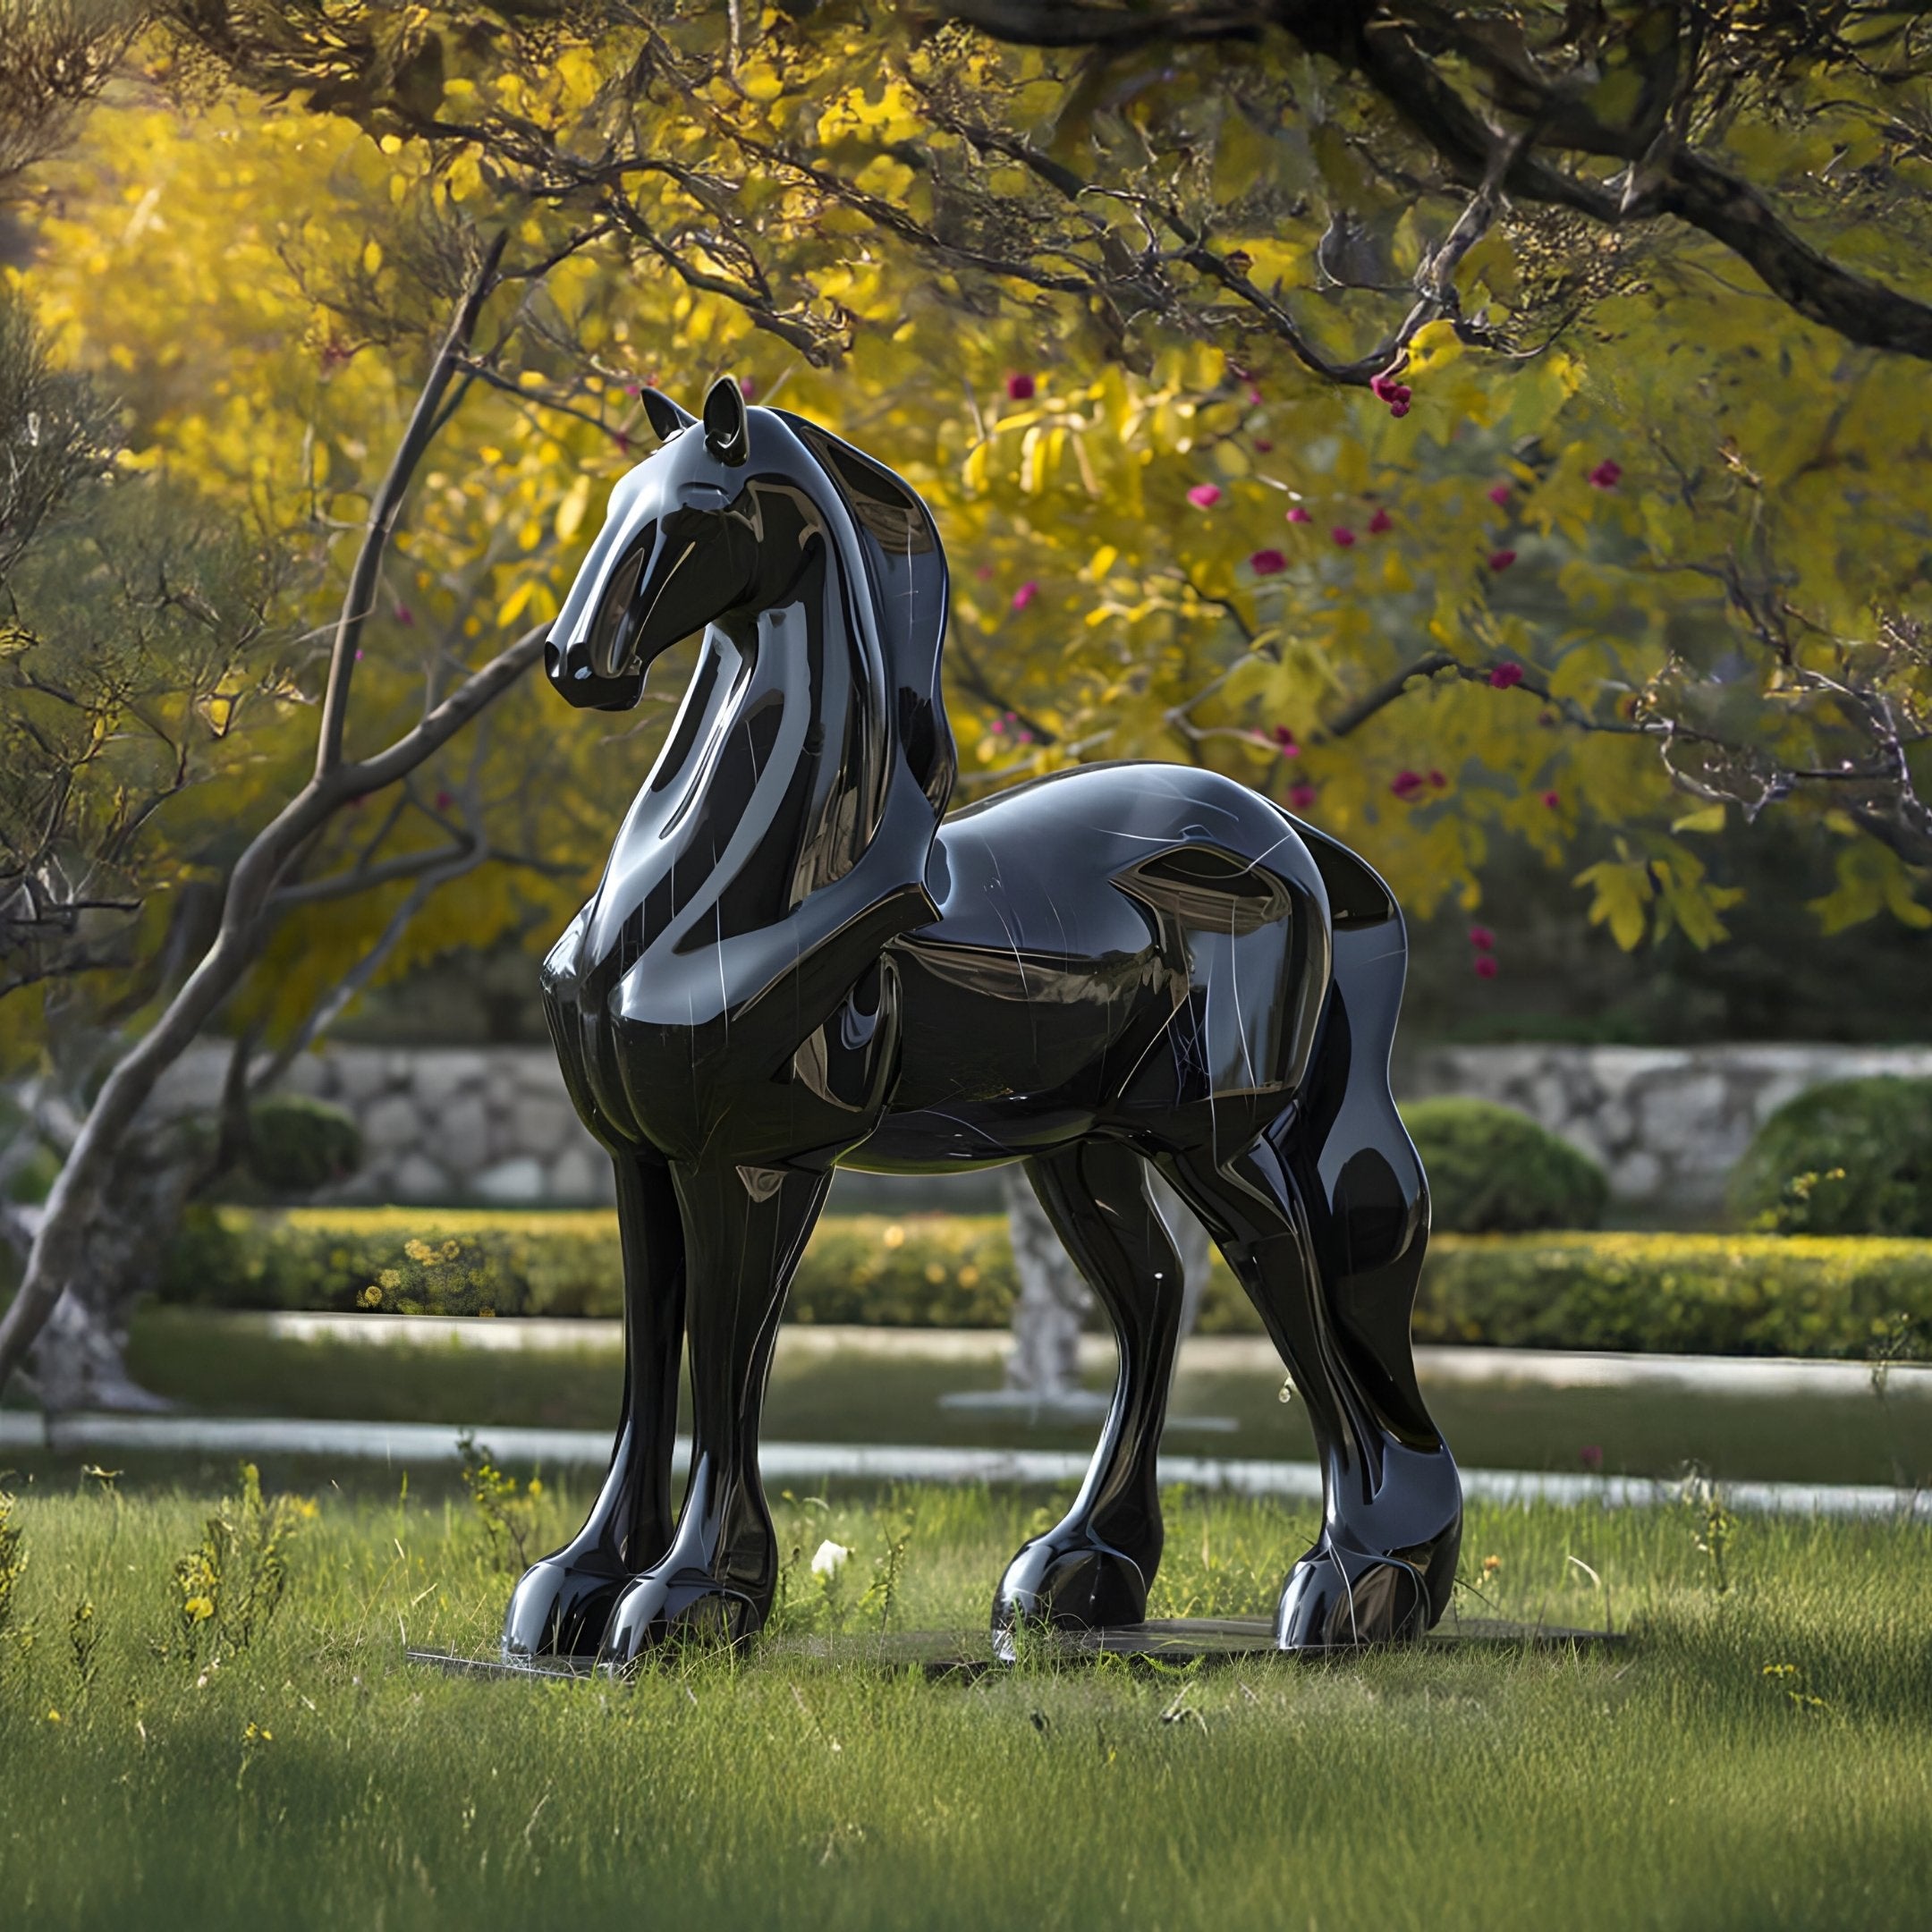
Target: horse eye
<point>605,632</point>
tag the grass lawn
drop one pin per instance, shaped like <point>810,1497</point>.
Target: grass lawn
<point>225,1368</point>
<point>1757,1757</point>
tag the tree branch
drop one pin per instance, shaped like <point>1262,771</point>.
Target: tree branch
<point>387,506</point>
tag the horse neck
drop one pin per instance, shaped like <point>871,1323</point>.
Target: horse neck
<point>774,774</point>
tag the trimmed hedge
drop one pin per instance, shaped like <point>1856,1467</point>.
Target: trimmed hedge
<point>1669,1293</point>
<point>935,1271</point>
<point>1690,1294</point>
<point>1492,1170</point>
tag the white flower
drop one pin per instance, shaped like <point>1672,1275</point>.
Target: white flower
<point>829,1558</point>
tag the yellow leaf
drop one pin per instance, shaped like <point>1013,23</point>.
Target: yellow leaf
<point>570,513</point>
<point>1707,818</point>
<point>371,257</point>
<point>513,607</point>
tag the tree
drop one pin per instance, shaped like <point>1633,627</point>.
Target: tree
<point>1378,405</point>
<point>1640,233</point>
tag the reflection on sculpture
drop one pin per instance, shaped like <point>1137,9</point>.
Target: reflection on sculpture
<point>795,961</point>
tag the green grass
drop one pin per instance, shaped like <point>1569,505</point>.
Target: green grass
<point>1671,1783</point>
<point>222,1367</point>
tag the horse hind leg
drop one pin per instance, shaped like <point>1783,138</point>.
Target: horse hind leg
<point>1324,1220</point>
<point>1093,1569</point>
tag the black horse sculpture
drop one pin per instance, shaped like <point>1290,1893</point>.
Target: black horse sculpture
<point>796,962</point>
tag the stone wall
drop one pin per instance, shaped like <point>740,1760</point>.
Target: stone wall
<point>442,1123</point>
<point>1667,1123</point>
<point>450,1124</point>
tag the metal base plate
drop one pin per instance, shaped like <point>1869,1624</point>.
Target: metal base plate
<point>1160,1642</point>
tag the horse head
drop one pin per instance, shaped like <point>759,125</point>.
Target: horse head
<point>679,548</point>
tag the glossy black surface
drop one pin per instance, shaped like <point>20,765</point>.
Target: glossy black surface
<point>794,962</point>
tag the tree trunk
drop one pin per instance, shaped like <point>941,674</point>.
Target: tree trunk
<point>78,1359</point>
<point>1055,1300</point>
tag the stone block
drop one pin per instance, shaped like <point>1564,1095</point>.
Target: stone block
<point>580,1175</point>
<point>1637,1177</point>
<point>518,1182</point>
<point>540,1126</point>
<point>418,1178</point>
<point>390,1125</point>
<point>460,1134</point>
<point>1678,1115</point>
<point>442,1073</point>
<point>357,1075</point>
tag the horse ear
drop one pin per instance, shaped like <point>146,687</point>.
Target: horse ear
<point>727,432</point>
<point>667,418</point>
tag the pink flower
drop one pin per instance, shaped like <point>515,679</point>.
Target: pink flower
<point>1486,966</point>
<point>1254,392</point>
<point>1025,595</point>
<point>1205,495</point>
<point>404,615</point>
<point>1436,779</point>
<point>358,656</point>
<point>1301,797</point>
<point>747,388</point>
<point>1590,1455</point>
<point>1284,742</point>
<point>1262,445</point>
<point>984,572</point>
<point>650,382</point>
<point>1606,476</point>
<point>1396,394</point>
<point>1266,563</point>
<point>1501,560</point>
<point>444,801</point>
<point>1552,800</point>
<point>1020,387</point>
<point>1342,534</point>
<point>1482,938</point>
<point>1499,495</point>
<point>1505,676</point>
<point>1405,784</point>
<point>1297,515</point>
<point>1024,737</point>
<point>1380,522</point>
<point>624,443</point>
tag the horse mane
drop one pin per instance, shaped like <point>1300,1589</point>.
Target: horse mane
<point>900,560</point>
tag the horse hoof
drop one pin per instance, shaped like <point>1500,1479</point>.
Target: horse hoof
<point>676,1608</point>
<point>1333,1604</point>
<point>1064,1584</point>
<point>558,1610</point>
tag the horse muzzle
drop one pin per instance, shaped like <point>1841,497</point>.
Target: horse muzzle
<point>576,678</point>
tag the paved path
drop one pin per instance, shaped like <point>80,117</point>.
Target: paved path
<point>1557,1368</point>
<point>435,1442</point>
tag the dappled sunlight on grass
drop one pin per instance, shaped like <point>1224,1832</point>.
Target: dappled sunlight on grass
<point>311,1777</point>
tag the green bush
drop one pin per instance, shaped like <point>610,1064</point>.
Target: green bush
<point>1851,1157</point>
<point>1494,1171</point>
<point>296,1145</point>
<point>1753,1294</point>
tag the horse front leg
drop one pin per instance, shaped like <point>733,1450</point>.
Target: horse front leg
<point>1093,1569</point>
<point>562,1603</point>
<point>744,1231</point>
